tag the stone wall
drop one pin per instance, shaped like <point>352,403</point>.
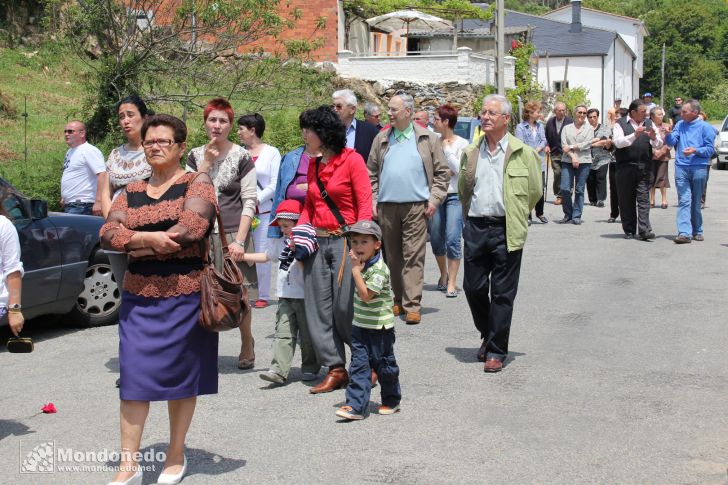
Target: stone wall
<point>427,96</point>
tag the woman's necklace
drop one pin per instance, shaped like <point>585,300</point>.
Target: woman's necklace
<point>155,191</point>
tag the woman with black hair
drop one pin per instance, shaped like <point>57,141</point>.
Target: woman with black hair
<point>329,286</point>
<point>126,163</point>
<point>267,160</point>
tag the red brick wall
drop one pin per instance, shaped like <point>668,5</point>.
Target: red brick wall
<point>305,27</point>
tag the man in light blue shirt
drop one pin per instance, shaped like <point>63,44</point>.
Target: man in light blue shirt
<point>693,140</point>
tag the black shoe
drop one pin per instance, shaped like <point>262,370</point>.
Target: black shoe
<point>629,235</point>
<point>646,236</point>
<point>543,219</point>
<point>117,382</point>
<point>481,352</point>
<point>600,203</point>
<point>565,220</point>
<point>612,219</point>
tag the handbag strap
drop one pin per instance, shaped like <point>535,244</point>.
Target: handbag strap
<point>327,199</point>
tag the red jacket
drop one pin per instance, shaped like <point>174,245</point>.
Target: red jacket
<point>346,179</point>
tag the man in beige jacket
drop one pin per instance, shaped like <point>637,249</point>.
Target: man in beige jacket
<point>409,178</point>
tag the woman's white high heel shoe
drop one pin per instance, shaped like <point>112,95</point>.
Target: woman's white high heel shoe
<point>135,479</point>
<point>170,479</point>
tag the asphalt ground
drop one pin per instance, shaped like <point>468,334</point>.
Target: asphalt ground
<point>618,373</point>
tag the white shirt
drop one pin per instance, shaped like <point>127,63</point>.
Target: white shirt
<point>289,284</point>
<point>80,173</point>
<point>266,171</point>
<point>488,191</point>
<point>622,141</point>
<point>9,256</point>
<point>453,152</point>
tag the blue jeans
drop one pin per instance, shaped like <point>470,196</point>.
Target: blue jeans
<point>568,175</point>
<point>446,228</point>
<point>690,183</point>
<point>85,208</point>
<point>372,349</point>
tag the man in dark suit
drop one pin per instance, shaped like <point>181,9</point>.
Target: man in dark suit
<point>359,133</point>
<point>553,137</point>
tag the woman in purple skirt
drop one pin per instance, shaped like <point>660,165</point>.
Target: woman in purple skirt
<point>162,223</point>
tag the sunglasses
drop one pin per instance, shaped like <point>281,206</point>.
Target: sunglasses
<point>70,132</point>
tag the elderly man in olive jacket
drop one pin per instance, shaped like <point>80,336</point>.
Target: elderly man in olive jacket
<point>499,184</point>
<point>409,178</point>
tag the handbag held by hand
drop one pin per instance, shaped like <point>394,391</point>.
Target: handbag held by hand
<point>223,296</point>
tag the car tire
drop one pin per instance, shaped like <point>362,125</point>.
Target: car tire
<point>99,302</point>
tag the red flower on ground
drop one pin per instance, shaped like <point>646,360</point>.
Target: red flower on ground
<point>49,408</point>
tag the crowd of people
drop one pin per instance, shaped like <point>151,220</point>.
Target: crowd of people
<point>344,220</point>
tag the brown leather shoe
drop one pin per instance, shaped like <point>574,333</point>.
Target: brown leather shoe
<point>337,378</point>
<point>493,365</point>
<point>397,310</point>
<point>682,239</point>
<point>413,318</point>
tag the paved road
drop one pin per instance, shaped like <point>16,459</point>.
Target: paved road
<point>618,374</point>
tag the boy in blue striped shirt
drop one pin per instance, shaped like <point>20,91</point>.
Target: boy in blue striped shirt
<point>372,333</point>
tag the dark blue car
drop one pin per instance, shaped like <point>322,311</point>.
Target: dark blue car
<point>65,270</point>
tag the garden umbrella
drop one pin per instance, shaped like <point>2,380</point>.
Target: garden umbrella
<point>409,19</point>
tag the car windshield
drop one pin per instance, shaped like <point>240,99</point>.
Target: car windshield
<point>725,124</point>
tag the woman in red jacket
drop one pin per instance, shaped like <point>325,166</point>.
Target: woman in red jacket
<point>329,287</point>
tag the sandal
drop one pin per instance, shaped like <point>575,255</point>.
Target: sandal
<point>451,294</point>
<point>442,286</point>
<point>664,205</point>
<point>244,364</point>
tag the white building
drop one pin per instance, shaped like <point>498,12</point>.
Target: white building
<point>631,30</point>
<point>599,60</point>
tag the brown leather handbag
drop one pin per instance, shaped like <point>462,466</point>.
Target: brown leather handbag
<point>223,296</point>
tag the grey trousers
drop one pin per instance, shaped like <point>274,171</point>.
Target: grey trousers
<point>329,306</point>
<point>119,262</point>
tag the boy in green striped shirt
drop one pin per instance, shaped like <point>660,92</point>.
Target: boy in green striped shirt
<point>372,333</point>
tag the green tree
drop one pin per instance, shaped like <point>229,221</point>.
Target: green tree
<point>179,52</point>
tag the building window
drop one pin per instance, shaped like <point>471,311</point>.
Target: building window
<point>560,86</point>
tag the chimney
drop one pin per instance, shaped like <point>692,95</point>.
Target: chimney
<point>575,16</point>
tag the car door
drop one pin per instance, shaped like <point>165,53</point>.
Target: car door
<point>40,252</point>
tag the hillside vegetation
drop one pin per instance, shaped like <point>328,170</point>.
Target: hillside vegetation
<point>52,79</point>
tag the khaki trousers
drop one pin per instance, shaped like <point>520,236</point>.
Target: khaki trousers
<point>404,236</point>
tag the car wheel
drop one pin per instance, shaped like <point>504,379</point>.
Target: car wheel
<point>99,301</point>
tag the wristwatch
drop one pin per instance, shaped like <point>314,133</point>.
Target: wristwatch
<point>14,308</point>
<point>239,243</point>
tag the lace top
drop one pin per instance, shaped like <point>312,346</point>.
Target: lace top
<point>124,167</point>
<point>235,182</point>
<point>188,208</point>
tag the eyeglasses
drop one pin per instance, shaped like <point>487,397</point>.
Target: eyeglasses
<point>338,106</point>
<point>581,112</point>
<point>70,132</point>
<point>490,114</point>
<point>162,142</point>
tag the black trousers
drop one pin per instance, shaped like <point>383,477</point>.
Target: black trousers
<point>540,203</point>
<point>633,185</point>
<point>613,197</point>
<point>596,184</point>
<point>490,282</point>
